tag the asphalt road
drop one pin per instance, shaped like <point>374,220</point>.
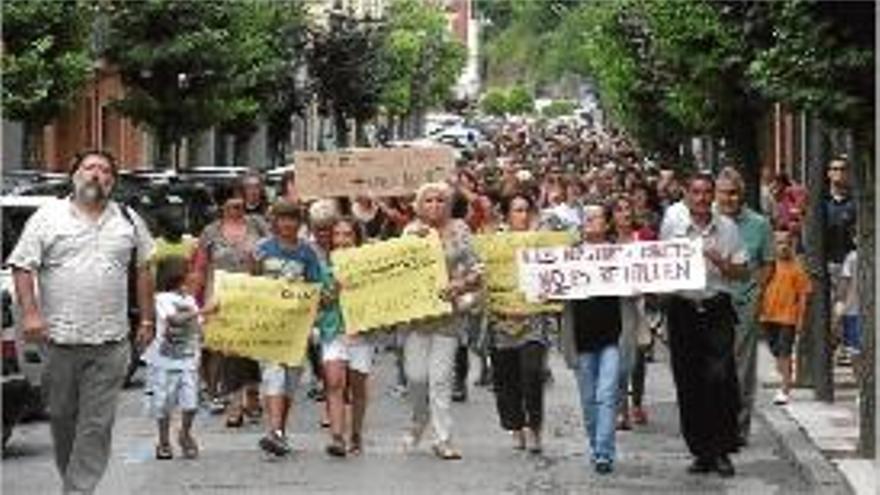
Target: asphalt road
<point>652,458</point>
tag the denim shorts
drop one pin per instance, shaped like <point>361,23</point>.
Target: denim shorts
<point>780,338</point>
<point>279,379</point>
<point>852,334</point>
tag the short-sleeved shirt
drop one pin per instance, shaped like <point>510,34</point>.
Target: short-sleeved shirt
<point>228,256</point>
<point>840,227</point>
<point>756,234</point>
<point>461,260</point>
<point>180,351</point>
<point>848,270</point>
<point>720,234</point>
<point>597,323</point>
<point>82,269</point>
<point>785,293</point>
<point>299,264</point>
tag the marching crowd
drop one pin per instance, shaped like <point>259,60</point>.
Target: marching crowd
<point>592,183</point>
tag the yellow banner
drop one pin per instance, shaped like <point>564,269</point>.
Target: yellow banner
<point>498,253</point>
<point>262,318</point>
<point>391,282</point>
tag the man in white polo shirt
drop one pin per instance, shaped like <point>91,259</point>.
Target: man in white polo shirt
<point>701,332</point>
<point>77,252</point>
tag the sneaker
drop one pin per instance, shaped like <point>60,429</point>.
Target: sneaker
<point>780,399</point>
<point>398,391</point>
<point>604,466</point>
<point>724,467</point>
<point>459,393</point>
<point>275,443</point>
<point>217,405</point>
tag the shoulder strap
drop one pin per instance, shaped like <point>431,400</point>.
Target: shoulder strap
<point>126,213</point>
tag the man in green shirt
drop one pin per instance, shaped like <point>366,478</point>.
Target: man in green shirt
<point>757,235</point>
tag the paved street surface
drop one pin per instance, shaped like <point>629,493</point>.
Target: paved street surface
<point>652,459</point>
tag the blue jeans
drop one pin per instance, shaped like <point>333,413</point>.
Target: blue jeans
<point>597,376</point>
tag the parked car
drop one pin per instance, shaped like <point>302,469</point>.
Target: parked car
<point>23,362</point>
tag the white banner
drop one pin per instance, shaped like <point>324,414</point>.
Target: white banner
<point>612,269</point>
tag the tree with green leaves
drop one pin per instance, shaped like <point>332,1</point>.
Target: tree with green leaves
<point>821,60</point>
<point>494,102</point>
<point>347,71</point>
<point>421,59</point>
<point>271,43</point>
<point>559,108</point>
<point>515,39</point>
<point>179,60</point>
<point>46,60</point>
<point>610,42</point>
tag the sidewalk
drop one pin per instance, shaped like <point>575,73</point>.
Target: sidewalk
<point>832,428</point>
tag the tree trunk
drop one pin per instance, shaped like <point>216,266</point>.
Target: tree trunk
<point>865,170</point>
<point>240,148</point>
<point>360,134</point>
<point>164,149</point>
<point>341,130</point>
<point>818,316</point>
<point>28,146</point>
<point>745,147</point>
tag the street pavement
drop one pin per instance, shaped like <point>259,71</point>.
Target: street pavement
<point>652,458</point>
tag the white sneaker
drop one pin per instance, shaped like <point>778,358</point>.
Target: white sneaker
<point>780,399</point>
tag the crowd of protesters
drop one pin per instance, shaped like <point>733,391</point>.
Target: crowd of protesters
<point>593,183</point>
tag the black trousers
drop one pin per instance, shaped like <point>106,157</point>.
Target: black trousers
<point>519,386</point>
<point>701,347</point>
<point>462,366</point>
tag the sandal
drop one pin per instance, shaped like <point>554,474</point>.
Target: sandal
<point>445,451</point>
<point>354,446</point>
<point>412,438</point>
<point>336,448</point>
<point>164,452</point>
<point>235,421</point>
<point>188,445</point>
<point>519,439</point>
<point>534,438</point>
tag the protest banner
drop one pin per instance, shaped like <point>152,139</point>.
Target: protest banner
<point>498,253</point>
<point>612,269</point>
<point>262,318</point>
<point>370,172</point>
<point>391,282</point>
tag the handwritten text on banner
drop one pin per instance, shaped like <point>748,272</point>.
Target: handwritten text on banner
<point>391,282</point>
<point>262,318</point>
<point>612,269</point>
<point>371,172</point>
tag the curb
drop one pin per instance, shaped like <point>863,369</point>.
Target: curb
<point>796,447</point>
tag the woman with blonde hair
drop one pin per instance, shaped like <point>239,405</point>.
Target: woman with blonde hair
<point>430,345</point>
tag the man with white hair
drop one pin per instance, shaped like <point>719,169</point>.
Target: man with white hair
<point>756,234</point>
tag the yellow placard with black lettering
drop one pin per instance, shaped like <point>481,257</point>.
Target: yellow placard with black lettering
<point>498,254</point>
<point>262,318</point>
<point>391,282</point>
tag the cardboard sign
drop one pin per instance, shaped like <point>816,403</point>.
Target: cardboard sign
<point>391,282</point>
<point>262,318</point>
<point>370,172</point>
<point>589,270</point>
